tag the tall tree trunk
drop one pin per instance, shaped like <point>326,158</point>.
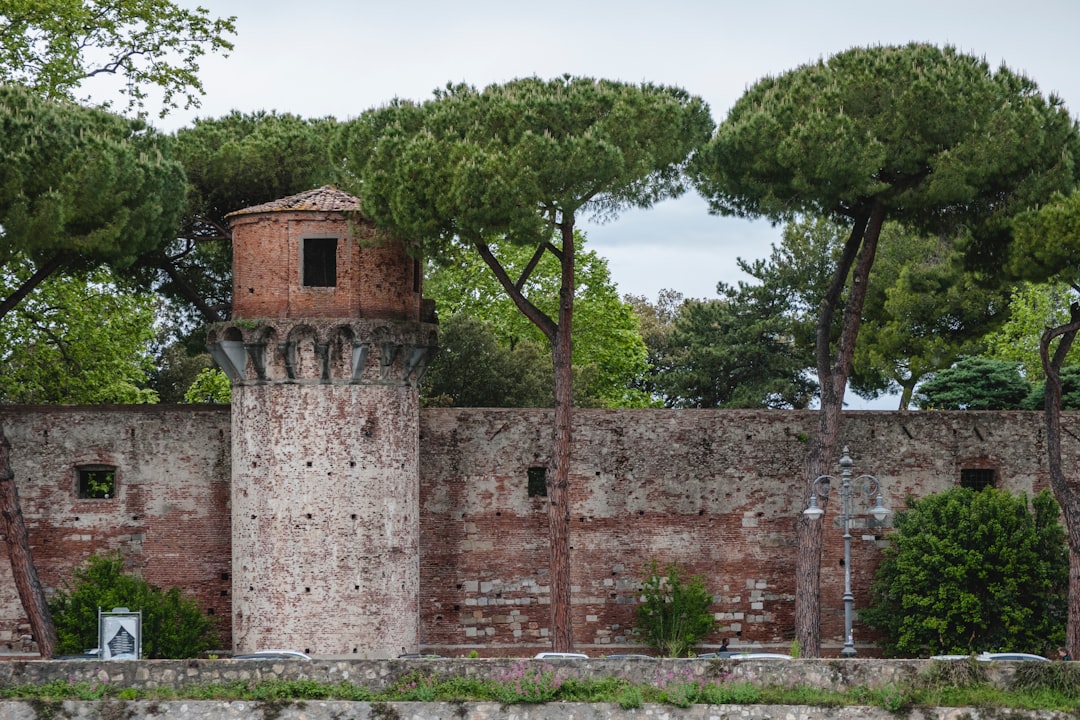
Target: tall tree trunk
<point>559,333</point>
<point>1067,494</point>
<point>558,484</point>
<point>833,371</point>
<point>22,562</point>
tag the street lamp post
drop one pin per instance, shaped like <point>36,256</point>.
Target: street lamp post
<point>849,487</point>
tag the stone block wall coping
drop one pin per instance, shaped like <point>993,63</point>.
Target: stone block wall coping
<point>333,710</point>
<point>838,674</point>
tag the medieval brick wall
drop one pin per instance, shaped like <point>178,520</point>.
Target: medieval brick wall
<point>717,491</point>
<point>170,514</point>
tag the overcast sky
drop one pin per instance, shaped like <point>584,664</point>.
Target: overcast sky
<point>338,57</point>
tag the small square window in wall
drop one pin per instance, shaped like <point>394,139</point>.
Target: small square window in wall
<point>320,262</point>
<point>537,482</point>
<point>978,478</point>
<point>97,482</point>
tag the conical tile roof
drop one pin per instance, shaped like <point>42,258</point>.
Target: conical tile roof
<point>325,199</point>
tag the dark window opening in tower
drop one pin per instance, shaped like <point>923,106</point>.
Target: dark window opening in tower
<point>320,262</point>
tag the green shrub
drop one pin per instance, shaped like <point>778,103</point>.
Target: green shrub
<point>675,613</point>
<point>172,626</point>
<point>968,572</point>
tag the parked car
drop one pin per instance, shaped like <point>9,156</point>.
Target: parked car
<point>91,654</point>
<point>743,655</point>
<point>273,655</point>
<point>995,657</point>
<point>628,656</point>
<point>759,656</point>
<point>560,656</point>
<point>418,656</point>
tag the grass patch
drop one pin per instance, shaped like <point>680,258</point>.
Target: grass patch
<point>1042,686</point>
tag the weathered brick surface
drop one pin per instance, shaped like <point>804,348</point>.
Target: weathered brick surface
<point>376,278</point>
<point>325,529</point>
<point>170,517</point>
<point>718,491</point>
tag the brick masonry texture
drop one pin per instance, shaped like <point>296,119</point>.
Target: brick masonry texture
<point>716,490</point>
<point>375,278</point>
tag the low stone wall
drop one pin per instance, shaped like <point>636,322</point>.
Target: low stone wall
<point>327,710</point>
<point>379,674</point>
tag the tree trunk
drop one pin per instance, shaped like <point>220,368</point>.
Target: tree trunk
<point>22,562</point>
<point>559,334</point>
<point>1068,496</point>
<point>833,371</point>
<point>558,485</point>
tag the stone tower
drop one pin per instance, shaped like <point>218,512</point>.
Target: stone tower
<point>328,338</point>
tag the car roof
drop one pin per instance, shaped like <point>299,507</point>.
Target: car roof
<point>560,656</point>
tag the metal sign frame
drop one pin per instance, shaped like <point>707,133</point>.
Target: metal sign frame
<point>120,634</point>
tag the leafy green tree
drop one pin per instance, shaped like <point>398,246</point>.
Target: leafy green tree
<point>972,571</point>
<point>608,349</point>
<point>513,164</point>
<point>175,368</point>
<point>1069,377</point>
<point>1048,250</point>
<point>928,137</point>
<point>923,310</point>
<point>675,611</point>
<point>231,163</point>
<point>474,369</point>
<point>78,188</point>
<point>655,325</point>
<point>54,47</point>
<point>80,338</point>
<point>173,626</point>
<point>211,386</point>
<point>737,351</point>
<point>1033,307</point>
<point>975,383</point>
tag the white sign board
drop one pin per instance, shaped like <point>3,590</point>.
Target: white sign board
<point>120,635</point>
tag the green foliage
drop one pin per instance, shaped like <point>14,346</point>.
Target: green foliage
<point>473,369</point>
<point>176,367</point>
<point>609,354</point>
<point>481,165</point>
<point>933,134</point>
<point>53,48</point>
<point>211,386</point>
<point>525,682</point>
<point>968,572</point>
<point>231,163</point>
<point>1047,247</point>
<point>1032,309</point>
<point>81,184</point>
<point>975,383</point>
<point>735,352</point>
<point>655,325</point>
<point>675,612</point>
<point>923,311</point>
<point>1060,678</point>
<point>81,338</point>
<point>515,164</point>
<point>1038,686</point>
<point>1070,391</point>
<point>172,626</point>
